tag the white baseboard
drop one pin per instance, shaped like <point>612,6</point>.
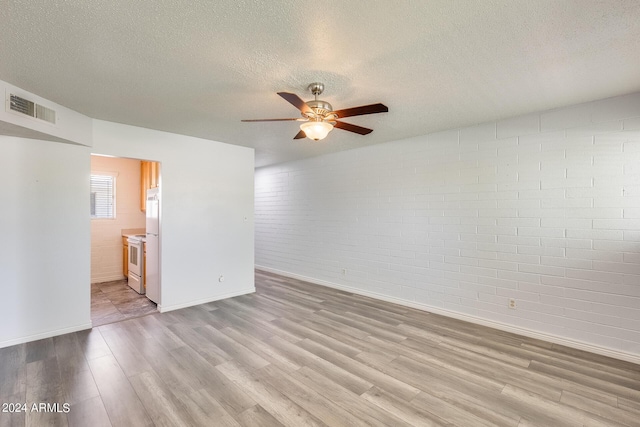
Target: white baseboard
<point>107,279</point>
<point>579,345</point>
<point>44,335</point>
<point>164,309</point>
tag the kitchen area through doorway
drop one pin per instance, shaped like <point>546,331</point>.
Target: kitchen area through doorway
<point>125,232</point>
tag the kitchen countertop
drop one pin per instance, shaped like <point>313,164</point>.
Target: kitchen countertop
<point>132,231</point>
<point>128,232</point>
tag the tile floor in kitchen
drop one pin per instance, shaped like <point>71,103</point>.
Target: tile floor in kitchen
<point>116,301</point>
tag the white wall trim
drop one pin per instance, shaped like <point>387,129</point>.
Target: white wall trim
<point>44,335</point>
<point>106,279</point>
<point>579,345</point>
<point>164,309</point>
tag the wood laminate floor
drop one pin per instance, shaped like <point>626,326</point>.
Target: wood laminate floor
<point>116,301</point>
<point>297,354</point>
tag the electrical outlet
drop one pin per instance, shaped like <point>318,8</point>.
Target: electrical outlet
<point>344,271</point>
<point>221,278</point>
<point>512,304</point>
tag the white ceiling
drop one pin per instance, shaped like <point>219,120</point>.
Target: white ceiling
<point>199,67</point>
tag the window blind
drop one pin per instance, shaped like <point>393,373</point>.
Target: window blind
<point>102,196</point>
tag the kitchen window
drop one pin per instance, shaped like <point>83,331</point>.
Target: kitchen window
<point>103,196</point>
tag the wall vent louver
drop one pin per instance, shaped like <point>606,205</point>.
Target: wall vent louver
<point>31,109</point>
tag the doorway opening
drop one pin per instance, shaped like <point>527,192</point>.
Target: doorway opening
<point>125,231</point>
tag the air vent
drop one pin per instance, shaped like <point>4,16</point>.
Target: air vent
<point>23,106</point>
<point>31,109</point>
<point>46,114</point>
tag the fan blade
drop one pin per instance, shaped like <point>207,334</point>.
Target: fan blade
<point>361,111</point>
<point>300,135</point>
<point>353,128</point>
<point>272,120</point>
<point>296,101</point>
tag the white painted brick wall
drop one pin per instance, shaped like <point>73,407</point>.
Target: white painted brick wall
<point>543,208</point>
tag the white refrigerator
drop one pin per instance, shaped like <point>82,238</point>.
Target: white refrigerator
<point>153,245</point>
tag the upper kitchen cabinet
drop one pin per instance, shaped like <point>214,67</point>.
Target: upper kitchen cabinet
<point>154,170</point>
<point>149,178</point>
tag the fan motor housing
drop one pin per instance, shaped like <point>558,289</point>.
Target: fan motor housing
<point>320,109</point>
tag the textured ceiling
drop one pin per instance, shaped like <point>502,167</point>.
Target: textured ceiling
<point>199,67</point>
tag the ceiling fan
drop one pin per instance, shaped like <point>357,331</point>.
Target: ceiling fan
<point>319,117</point>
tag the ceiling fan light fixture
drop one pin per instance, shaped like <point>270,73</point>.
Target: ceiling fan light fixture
<point>320,116</point>
<point>316,130</point>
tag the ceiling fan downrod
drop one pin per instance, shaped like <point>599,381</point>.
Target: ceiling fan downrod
<point>320,109</point>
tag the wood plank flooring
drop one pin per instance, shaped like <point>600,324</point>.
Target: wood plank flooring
<point>297,354</point>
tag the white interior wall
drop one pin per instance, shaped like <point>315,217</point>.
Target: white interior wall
<point>207,225</point>
<point>106,233</point>
<point>207,199</point>
<point>542,208</point>
<point>44,239</point>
